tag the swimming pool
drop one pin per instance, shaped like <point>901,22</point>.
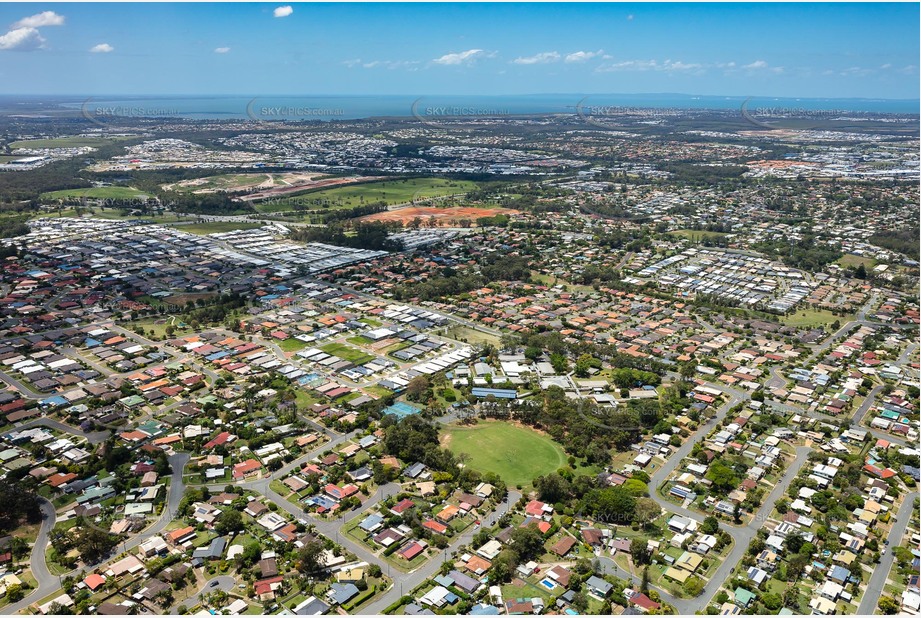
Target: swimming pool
<point>547,583</point>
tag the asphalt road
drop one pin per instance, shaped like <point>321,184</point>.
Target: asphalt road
<point>743,535</point>
<point>222,582</point>
<point>867,404</point>
<point>402,584</point>
<point>881,571</point>
<point>94,437</point>
<point>47,582</point>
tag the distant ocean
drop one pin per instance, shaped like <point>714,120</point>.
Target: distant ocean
<point>332,107</point>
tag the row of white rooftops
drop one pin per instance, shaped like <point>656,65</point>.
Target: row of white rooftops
<point>316,256</point>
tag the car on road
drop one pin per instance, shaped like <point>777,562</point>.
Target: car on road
<point>883,552</point>
<point>214,584</point>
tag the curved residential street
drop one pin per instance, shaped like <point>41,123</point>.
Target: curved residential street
<point>881,571</point>
<point>222,582</point>
<point>404,582</point>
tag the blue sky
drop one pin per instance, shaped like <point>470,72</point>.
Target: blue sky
<point>793,50</point>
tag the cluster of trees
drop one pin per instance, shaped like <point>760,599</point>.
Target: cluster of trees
<point>12,227</point>
<point>492,268</point>
<point>213,310</point>
<point>703,175</point>
<point>525,544</point>
<point>414,439</point>
<point>344,214</point>
<point>204,204</point>
<point>907,241</point>
<point>19,505</point>
<point>806,253</point>
<point>624,505</point>
<point>583,428</point>
<point>92,544</point>
<point>373,235</point>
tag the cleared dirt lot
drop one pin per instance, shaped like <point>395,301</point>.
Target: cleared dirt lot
<point>443,216</point>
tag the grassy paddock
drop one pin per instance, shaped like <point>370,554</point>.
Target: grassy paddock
<point>397,191</point>
<point>102,193</point>
<point>216,227</point>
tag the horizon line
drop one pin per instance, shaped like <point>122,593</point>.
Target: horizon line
<point>410,94</point>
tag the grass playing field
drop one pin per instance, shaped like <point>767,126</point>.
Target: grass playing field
<point>517,454</point>
<point>389,191</point>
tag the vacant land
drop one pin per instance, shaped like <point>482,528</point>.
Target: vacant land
<point>813,317</point>
<point>468,335</point>
<point>102,193</point>
<point>237,183</point>
<point>696,235</point>
<point>442,216</point>
<point>216,227</point>
<point>515,453</point>
<point>388,191</point>
<point>849,260</point>
<point>356,357</point>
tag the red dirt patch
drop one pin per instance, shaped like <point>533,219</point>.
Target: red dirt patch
<point>443,216</point>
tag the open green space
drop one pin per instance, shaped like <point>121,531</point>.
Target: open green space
<point>102,193</point>
<point>515,453</point>
<point>220,181</point>
<point>807,318</point>
<point>849,260</point>
<point>216,227</point>
<point>98,212</point>
<point>470,335</point>
<point>390,191</point>
<point>292,345</point>
<point>356,357</point>
<point>74,141</point>
<point>695,235</point>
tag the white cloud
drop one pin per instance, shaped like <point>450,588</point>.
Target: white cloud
<point>22,39</point>
<point>582,56</point>
<point>630,17</point>
<point>389,64</point>
<point>651,65</point>
<point>677,65</point>
<point>39,20</point>
<point>283,11</point>
<point>886,66</point>
<point>460,57</point>
<point>102,48</point>
<point>762,65</point>
<point>221,50</point>
<point>541,58</point>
